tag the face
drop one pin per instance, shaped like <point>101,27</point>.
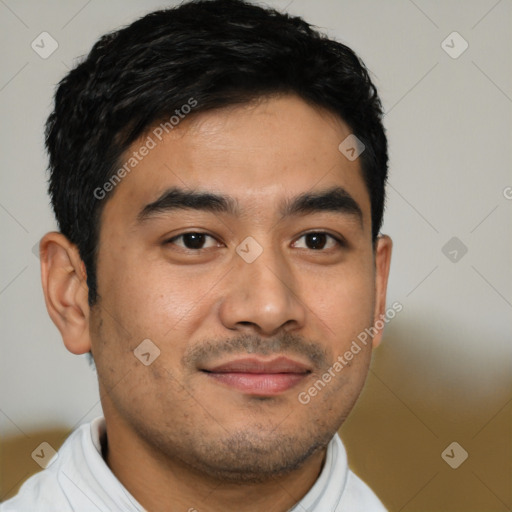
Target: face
<point>240,246</point>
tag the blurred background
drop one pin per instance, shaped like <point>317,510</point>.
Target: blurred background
<point>440,386</point>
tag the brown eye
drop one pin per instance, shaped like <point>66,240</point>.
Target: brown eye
<point>318,241</point>
<point>193,241</point>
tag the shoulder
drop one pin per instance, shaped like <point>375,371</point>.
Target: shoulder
<point>40,492</point>
<point>358,497</point>
<point>45,491</point>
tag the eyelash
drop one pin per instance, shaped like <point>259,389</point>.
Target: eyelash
<point>339,240</point>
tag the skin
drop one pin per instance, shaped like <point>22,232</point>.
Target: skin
<point>178,439</point>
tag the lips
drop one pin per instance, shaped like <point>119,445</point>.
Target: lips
<point>255,376</point>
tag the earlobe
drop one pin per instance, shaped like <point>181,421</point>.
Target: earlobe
<point>65,290</point>
<point>382,264</point>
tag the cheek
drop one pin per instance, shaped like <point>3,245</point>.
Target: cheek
<point>146,295</point>
<point>344,301</point>
<point>149,298</point>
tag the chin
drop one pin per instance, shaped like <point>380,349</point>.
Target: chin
<point>246,457</point>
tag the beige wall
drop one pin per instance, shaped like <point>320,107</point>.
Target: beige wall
<point>443,372</point>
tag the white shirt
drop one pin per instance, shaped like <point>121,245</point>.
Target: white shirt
<point>77,479</point>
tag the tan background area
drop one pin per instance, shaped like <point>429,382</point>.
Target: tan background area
<point>443,373</point>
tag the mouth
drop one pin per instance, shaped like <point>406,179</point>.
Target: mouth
<point>259,377</point>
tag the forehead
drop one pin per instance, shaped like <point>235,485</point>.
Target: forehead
<point>260,154</point>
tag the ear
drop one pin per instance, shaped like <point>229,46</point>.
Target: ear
<point>65,290</point>
<point>382,263</point>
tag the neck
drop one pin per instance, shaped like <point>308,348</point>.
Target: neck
<point>162,485</point>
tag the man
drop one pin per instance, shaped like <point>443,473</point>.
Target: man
<point>217,173</point>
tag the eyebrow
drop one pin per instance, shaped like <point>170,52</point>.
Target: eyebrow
<point>335,199</point>
<point>180,199</point>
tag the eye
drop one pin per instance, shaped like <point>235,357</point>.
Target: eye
<point>193,241</point>
<point>318,241</point>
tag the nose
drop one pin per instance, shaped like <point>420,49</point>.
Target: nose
<point>262,296</point>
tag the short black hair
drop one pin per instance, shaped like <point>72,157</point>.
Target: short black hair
<point>207,54</point>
